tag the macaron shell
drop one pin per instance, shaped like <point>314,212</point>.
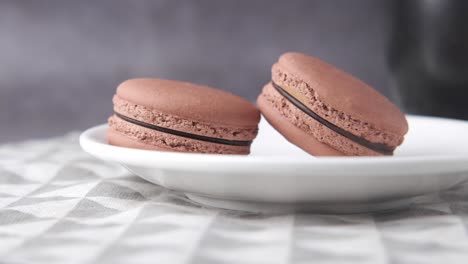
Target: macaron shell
<point>190,101</point>
<point>125,134</point>
<point>304,131</point>
<point>294,134</point>
<point>344,92</point>
<point>307,97</point>
<point>121,140</point>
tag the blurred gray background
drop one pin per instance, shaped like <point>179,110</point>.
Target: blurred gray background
<point>60,61</point>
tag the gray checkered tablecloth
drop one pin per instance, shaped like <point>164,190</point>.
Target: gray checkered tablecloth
<point>60,205</point>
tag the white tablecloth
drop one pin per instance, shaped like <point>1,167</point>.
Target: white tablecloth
<point>60,205</point>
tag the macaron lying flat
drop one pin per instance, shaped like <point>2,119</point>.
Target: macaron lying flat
<point>166,115</point>
<point>328,112</point>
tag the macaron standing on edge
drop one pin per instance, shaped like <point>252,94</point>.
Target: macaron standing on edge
<point>328,112</point>
<point>165,115</point>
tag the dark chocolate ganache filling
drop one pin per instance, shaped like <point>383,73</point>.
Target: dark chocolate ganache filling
<point>184,134</point>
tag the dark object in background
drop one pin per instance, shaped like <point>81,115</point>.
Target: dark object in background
<point>428,56</point>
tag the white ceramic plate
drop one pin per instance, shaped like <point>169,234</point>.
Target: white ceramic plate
<point>278,175</point>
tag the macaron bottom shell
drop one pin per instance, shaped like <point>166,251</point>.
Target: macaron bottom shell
<point>304,131</point>
<point>124,134</point>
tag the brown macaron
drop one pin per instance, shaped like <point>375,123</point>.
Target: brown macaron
<point>327,112</point>
<point>166,115</point>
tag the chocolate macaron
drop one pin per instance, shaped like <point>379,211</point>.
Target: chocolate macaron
<point>327,112</point>
<point>166,115</point>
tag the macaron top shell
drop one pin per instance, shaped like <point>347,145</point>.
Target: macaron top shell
<point>190,101</point>
<point>343,92</point>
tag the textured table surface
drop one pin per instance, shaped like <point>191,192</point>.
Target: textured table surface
<point>60,205</point>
